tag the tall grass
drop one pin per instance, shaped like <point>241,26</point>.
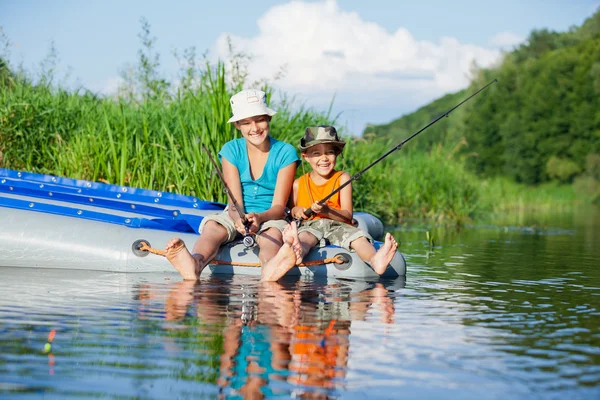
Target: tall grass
<point>152,143</point>
<point>505,196</point>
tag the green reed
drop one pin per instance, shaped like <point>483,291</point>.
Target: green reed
<point>507,196</point>
<point>152,143</point>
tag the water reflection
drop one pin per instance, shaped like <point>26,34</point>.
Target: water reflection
<point>287,338</point>
<point>153,336</point>
<point>488,312</point>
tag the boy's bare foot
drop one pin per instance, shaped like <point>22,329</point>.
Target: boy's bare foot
<point>182,259</point>
<point>384,255</point>
<point>380,296</point>
<point>283,261</point>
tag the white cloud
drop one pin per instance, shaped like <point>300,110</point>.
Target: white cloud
<point>326,49</point>
<point>505,40</point>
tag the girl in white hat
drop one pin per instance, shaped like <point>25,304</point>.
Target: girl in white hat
<point>259,171</point>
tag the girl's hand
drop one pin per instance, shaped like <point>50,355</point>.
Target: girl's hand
<point>239,226</point>
<point>255,220</point>
<point>317,207</point>
<point>298,213</point>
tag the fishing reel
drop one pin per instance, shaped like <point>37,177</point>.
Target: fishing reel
<point>248,241</point>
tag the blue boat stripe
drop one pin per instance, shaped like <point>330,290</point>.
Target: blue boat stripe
<point>90,201</point>
<point>103,190</point>
<point>182,223</point>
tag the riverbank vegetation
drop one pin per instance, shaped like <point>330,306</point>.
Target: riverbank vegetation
<point>150,135</point>
<point>539,126</point>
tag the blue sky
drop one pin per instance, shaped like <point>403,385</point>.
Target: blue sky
<point>379,58</point>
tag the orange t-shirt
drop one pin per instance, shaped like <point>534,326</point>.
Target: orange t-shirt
<point>309,192</point>
<point>314,357</point>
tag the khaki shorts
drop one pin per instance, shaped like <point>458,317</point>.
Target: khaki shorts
<point>227,222</point>
<point>336,232</point>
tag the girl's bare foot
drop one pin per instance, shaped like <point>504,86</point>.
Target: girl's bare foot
<point>283,261</point>
<point>291,231</point>
<point>182,259</point>
<point>181,295</point>
<point>384,255</point>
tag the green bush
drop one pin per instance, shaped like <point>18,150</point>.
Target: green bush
<point>561,169</point>
<point>592,166</point>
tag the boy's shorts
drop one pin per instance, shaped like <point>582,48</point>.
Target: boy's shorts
<point>227,222</point>
<point>337,233</point>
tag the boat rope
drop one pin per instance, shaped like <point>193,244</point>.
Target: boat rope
<point>337,259</point>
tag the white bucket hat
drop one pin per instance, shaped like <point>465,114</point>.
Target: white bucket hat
<point>249,103</point>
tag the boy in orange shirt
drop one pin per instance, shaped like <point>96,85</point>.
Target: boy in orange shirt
<point>320,147</point>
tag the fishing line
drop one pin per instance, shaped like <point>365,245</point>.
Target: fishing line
<point>309,212</point>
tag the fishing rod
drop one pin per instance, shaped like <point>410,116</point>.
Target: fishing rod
<point>309,211</point>
<point>248,239</point>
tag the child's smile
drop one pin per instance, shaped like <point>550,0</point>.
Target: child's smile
<point>255,129</point>
<point>322,158</point>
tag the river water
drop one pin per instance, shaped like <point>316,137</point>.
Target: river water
<point>505,310</point>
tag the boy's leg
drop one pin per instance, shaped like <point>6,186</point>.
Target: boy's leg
<point>206,247</point>
<point>290,254</point>
<point>275,265</point>
<point>307,241</point>
<point>365,250</point>
<point>310,234</point>
<point>380,259</point>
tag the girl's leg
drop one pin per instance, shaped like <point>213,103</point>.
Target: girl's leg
<point>269,242</point>
<point>380,259</point>
<point>180,297</point>
<point>190,266</point>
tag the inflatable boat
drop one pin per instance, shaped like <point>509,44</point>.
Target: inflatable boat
<point>54,222</point>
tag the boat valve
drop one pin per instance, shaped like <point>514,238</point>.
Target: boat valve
<point>345,261</point>
<point>138,247</point>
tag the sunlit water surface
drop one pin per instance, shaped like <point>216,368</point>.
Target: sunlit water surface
<point>503,311</point>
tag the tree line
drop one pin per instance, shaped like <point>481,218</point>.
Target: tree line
<point>540,123</point>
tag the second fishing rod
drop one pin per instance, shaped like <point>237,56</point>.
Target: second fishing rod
<point>309,211</point>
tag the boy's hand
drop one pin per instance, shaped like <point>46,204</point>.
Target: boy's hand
<point>317,207</point>
<point>298,213</point>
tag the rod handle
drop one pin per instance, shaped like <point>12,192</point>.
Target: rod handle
<point>309,212</point>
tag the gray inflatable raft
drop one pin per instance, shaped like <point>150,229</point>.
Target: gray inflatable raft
<point>52,222</point>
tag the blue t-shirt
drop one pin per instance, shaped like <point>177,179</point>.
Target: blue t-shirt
<point>255,346</point>
<point>258,194</point>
